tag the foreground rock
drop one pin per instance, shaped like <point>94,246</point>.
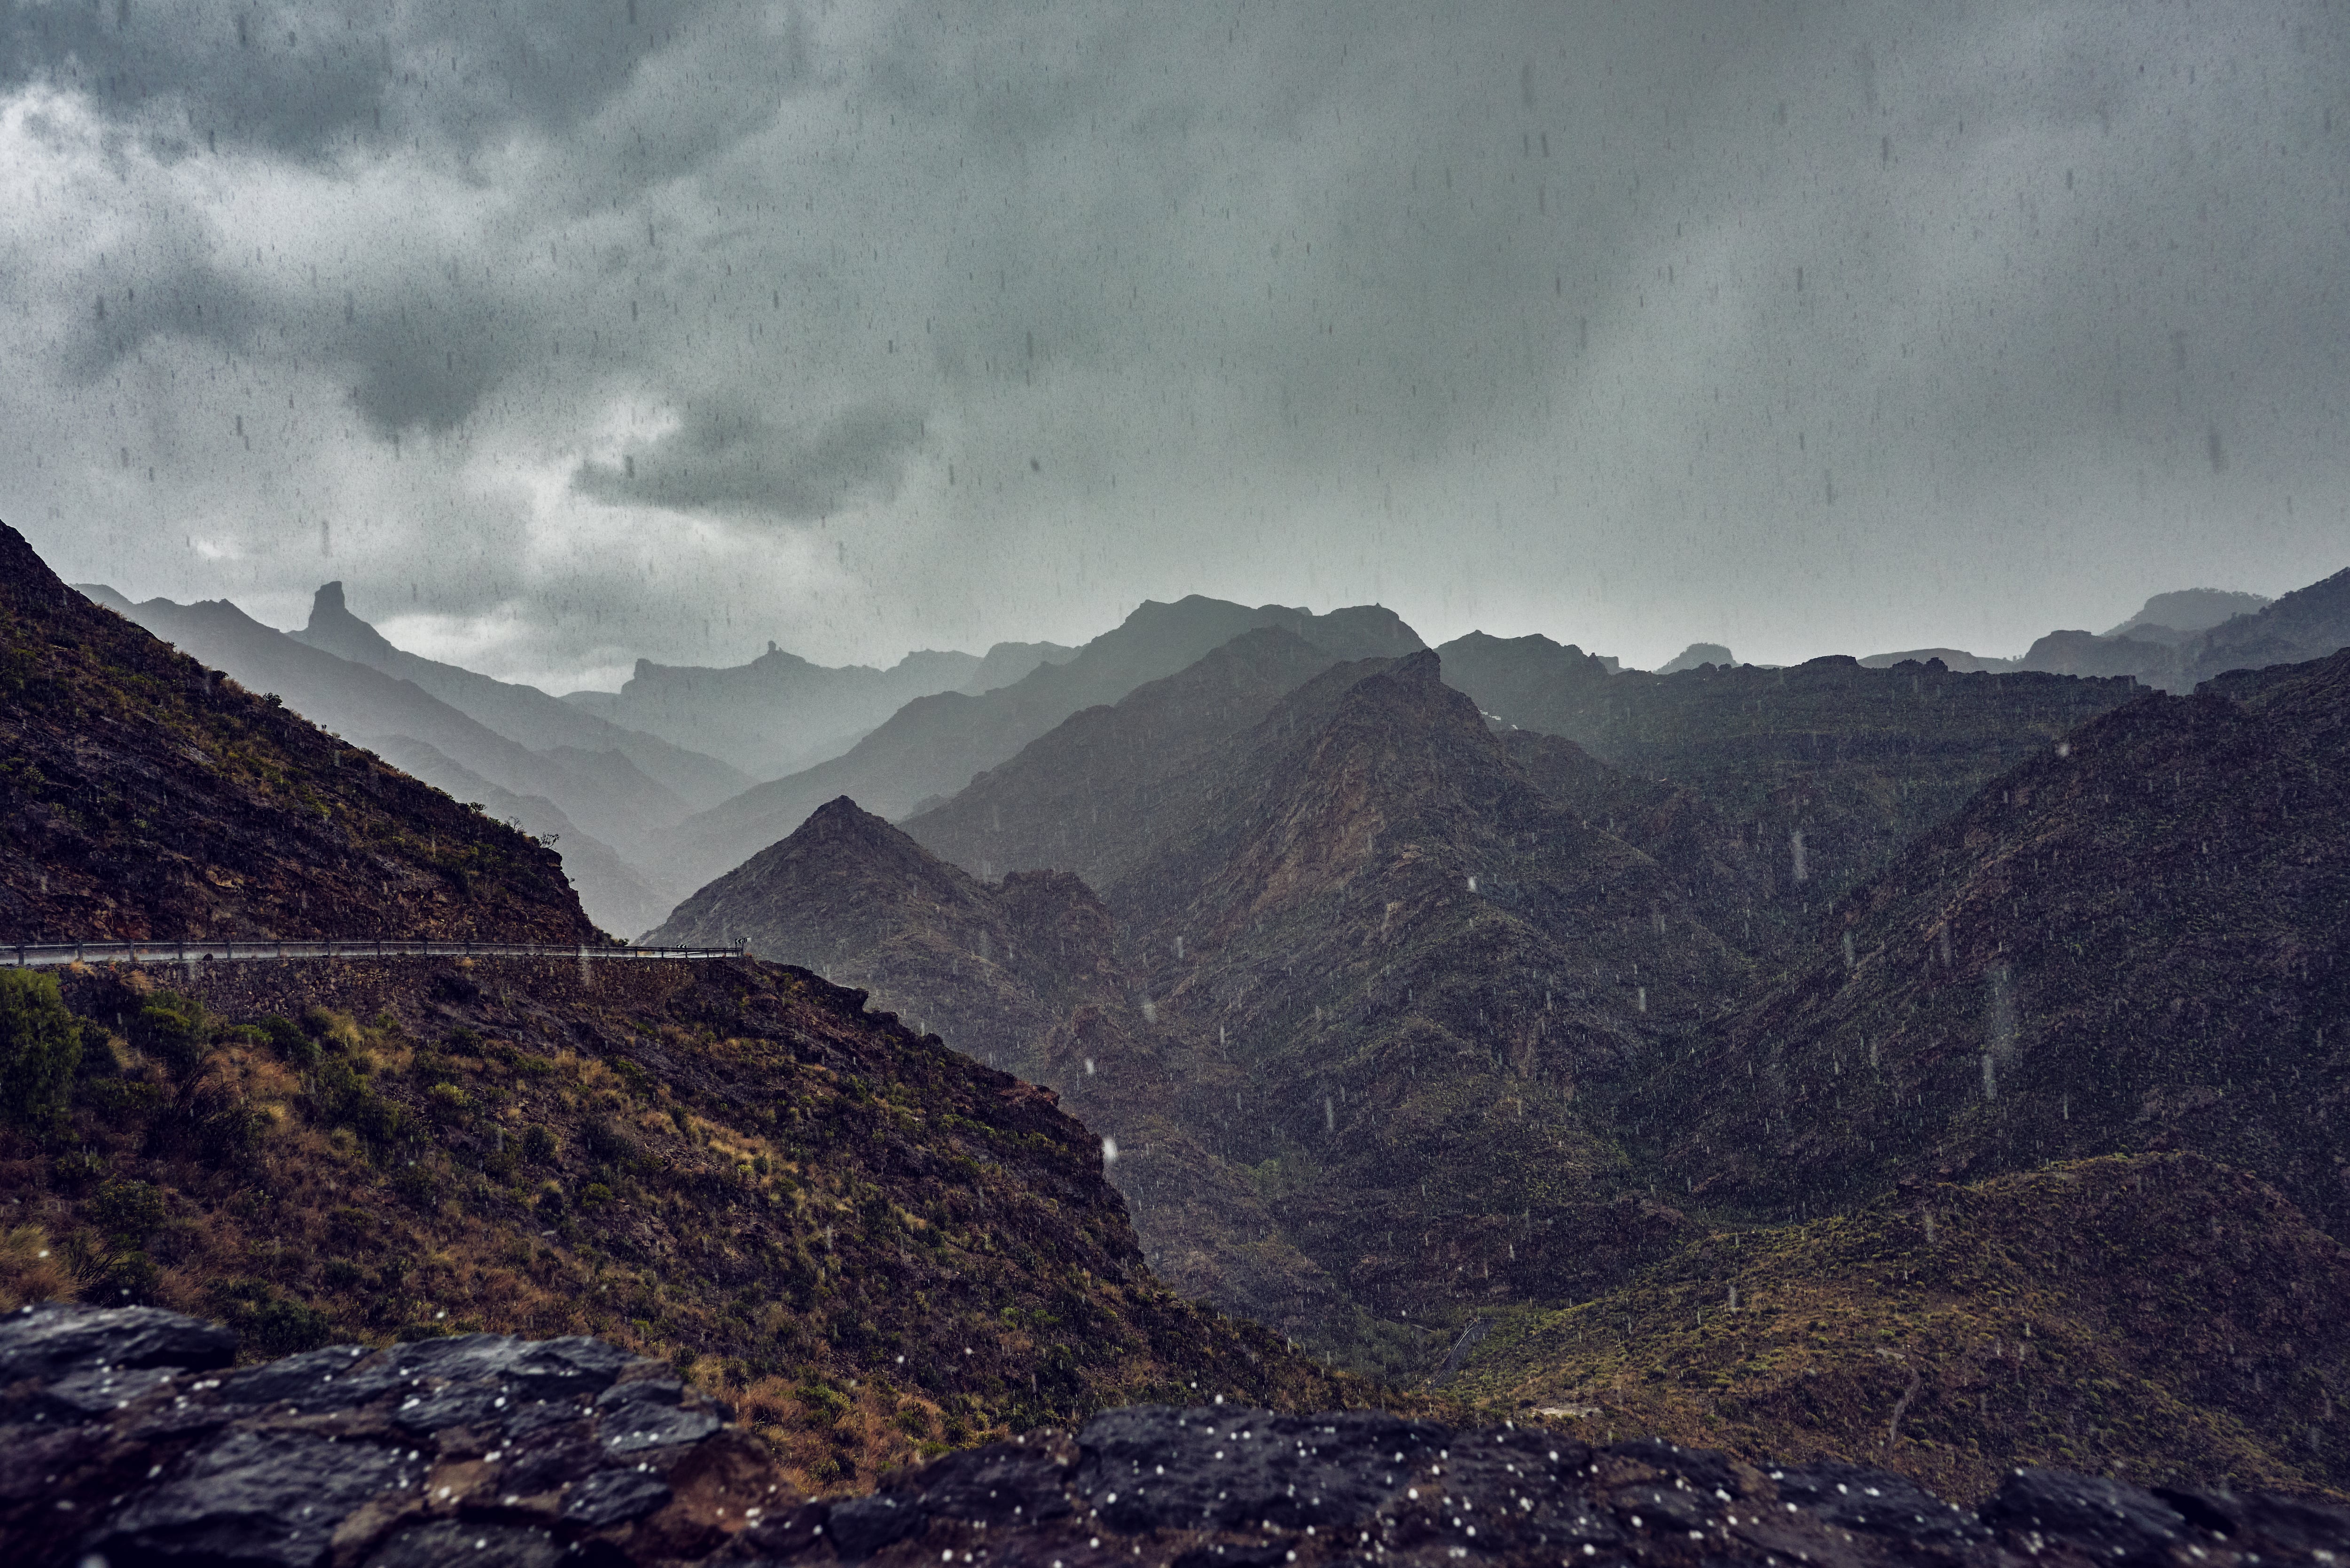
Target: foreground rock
<point>126,1438</point>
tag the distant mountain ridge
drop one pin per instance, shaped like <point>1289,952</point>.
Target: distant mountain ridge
<point>780,712</point>
<point>609,804</point>
<point>2177,639</point>
<point>1826,767</point>
<point>524,714</point>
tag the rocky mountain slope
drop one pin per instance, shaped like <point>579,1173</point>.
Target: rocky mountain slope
<point>933,747</point>
<point>1087,796</point>
<point>146,796</point>
<point>1827,767</point>
<point>505,1451</point>
<point>523,714</point>
<point>2151,1317</point>
<point>2133,942</point>
<point>1024,975</point>
<point>1360,956</point>
<point>779,713</point>
<point>870,1242</point>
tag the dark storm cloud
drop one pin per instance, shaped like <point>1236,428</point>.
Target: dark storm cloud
<point>732,461</point>
<point>1774,311</point>
<point>318,78</point>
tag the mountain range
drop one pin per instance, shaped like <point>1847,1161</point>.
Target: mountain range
<point>931,747</point>
<point>875,1247</point>
<point>780,713</point>
<point>1860,1060</point>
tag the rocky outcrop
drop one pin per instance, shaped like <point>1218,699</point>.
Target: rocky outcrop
<point>126,1438</point>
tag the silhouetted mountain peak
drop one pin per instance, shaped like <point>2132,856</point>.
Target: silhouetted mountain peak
<point>1695,655</point>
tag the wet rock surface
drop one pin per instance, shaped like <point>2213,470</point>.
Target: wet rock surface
<point>493,1450</point>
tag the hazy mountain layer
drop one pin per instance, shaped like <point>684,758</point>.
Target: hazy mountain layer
<point>779,713</point>
<point>2173,616</point>
<point>147,796</point>
<point>524,714</point>
<point>2135,941</point>
<point>602,794</point>
<point>2173,641</point>
<point>2154,1317</point>
<point>2305,624</point>
<point>1096,793</point>
<point>933,746</point>
<point>614,896</point>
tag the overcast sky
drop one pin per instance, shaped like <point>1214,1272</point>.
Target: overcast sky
<point>568,331</point>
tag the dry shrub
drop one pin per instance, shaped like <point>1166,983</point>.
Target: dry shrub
<point>30,1270</point>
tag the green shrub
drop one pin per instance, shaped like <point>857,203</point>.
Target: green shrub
<point>419,1186</point>
<point>173,1029</point>
<point>72,1172</point>
<point>538,1145</point>
<point>127,1211</point>
<point>40,1048</point>
<point>268,1322</point>
<point>286,1038</point>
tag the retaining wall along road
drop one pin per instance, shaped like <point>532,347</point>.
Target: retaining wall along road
<point>34,955</point>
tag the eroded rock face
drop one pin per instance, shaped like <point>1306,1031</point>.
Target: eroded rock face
<point>492,1450</point>
<point>123,1435</point>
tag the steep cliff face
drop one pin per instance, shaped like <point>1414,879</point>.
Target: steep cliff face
<point>146,797</point>
<point>2133,942</point>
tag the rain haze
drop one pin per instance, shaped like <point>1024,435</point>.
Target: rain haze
<point>567,333</point>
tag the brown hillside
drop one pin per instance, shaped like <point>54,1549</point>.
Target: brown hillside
<point>875,1246</point>
<point>2153,1317</point>
<point>1023,974</point>
<point>144,797</point>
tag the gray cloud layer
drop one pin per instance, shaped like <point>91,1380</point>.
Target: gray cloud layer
<point>573,333</point>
